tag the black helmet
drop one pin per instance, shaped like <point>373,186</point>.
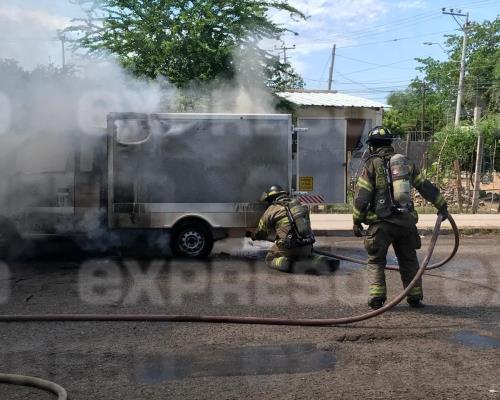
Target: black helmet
<point>380,134</point>
<point>271,193</point>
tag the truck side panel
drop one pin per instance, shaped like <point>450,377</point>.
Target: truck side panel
<point>165,166</point>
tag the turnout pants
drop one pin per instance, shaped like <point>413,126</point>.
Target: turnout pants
<point>405,241</point>
<point>299,259</point>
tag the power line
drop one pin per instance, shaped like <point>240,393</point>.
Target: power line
<point>372,63</point>
<point>407,81</point>
<point>479,3</point>
<point>402,22</point>
<point>408,21</point>
<point>396,28</point>
<point>372,43</point>
<point>380,66</point>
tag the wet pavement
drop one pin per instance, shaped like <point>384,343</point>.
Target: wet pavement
<point>475,340</point>
<point>238,361</point>
<point>447,350</point>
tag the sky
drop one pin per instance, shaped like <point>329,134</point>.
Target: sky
<point>376,40</point>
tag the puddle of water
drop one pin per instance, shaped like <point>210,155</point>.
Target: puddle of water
<point>244,361</point>
<point>472,339</point>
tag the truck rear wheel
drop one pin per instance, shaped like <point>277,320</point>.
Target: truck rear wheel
<point>192,240</point>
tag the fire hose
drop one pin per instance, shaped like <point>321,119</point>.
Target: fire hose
<point>393,267</point>
<point>251,320</point>
<point>61,392</point>
<point>20,380</point>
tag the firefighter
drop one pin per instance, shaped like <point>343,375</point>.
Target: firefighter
<point>383,200</point>
<point>287,220</point>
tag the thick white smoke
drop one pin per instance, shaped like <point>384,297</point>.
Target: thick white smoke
<point>48,120</point>
<point>46,114</point>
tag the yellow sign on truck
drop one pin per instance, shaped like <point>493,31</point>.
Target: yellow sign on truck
<point>306,184</point>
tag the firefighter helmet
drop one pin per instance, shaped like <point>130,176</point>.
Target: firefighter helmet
<point>380,133</point>
<point>271,193</point>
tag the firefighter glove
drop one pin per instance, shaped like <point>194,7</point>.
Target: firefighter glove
<point>358,230</point>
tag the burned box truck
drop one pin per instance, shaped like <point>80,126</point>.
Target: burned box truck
<point>182,180</point>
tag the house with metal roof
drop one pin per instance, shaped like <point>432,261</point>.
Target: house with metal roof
<point>330,145</point>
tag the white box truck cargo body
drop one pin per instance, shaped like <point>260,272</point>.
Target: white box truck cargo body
<point>195,176</point>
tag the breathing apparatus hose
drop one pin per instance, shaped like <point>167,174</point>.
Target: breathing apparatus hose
<point>235,319</point>
<point>20,380</point>
<point>393,267</point>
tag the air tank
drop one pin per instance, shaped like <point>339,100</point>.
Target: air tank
<point>400,174</point>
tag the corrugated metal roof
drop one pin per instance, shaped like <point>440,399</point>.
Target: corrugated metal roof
<point>328,99</point>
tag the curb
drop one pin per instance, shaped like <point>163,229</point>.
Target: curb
<point>421,231</point>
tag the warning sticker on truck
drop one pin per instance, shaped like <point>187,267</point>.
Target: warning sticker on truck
<point>306,184</point>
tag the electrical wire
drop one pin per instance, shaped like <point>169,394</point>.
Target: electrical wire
<point>372,63</point>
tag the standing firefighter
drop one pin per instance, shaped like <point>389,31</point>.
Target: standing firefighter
<point>383,201</point>
<point>288,222</point>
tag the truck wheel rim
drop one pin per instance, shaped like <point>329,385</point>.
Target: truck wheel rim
<point>191,242</point>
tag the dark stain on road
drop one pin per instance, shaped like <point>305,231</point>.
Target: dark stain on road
<point>242,361</point>
<point>472,339</point>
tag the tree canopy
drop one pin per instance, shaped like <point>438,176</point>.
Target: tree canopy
<point>186,41</point>
<point>437,88</point>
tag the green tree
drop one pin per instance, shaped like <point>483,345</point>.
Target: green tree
<point>482,76</point>
<point>393,119</point>
<point>409,105</point>
<point>437,87</point>
<point>186,41</point>
<point>459,144</point>
<point>455,144</point>
<point>490,128</point>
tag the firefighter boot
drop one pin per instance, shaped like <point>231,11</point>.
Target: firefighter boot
<point>281,263</point>
<point>333,264</point>
<point>329,264</point>
<point>415,302</point>
<point>376,302</point>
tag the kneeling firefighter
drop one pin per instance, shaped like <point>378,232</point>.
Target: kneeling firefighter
<point>288,221</point>
<point>383,200</point>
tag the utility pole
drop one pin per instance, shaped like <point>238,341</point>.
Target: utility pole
<point>285,59</point>
<point>463,27</point>
<point>479,160</point>
<point>423,110</point>
<point>330,78</point>
<point>61,36</point>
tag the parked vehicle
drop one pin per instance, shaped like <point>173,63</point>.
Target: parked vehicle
<point>186,179</point>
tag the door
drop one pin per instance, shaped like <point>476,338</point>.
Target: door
<point>322,160</point>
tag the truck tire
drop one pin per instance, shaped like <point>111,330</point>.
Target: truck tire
<point>10,240</point>
<point>191,240</point>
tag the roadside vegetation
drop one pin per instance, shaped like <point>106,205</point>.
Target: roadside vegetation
<point>202,44</point>
<point>425,110</point>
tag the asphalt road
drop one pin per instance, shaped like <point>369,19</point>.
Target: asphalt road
<point>448,350</point>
